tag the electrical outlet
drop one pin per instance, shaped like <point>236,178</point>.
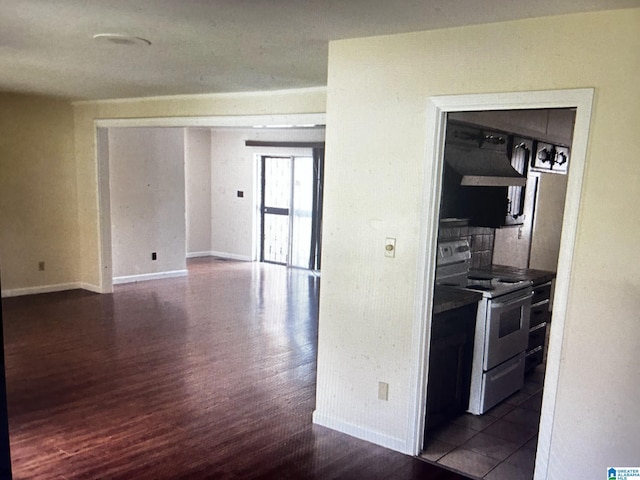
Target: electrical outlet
<point>240,194</point>
<point>154,256</point>
<point>41,266</point>
<point>383,391</point>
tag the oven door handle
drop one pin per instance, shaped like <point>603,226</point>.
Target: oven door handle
<point>512,301</point>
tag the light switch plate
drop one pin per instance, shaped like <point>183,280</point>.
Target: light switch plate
<point>390,247</point>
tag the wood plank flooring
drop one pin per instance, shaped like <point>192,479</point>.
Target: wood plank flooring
<point>206,376</point>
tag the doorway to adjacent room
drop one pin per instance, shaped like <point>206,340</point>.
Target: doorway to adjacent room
<point>439,108</point>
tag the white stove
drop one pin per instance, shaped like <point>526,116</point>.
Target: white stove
<point>492,286</point>
<point>453,261</point>
<point>502,325</point>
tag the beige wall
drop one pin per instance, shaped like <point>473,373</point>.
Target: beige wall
<point>147,200</point>
<point>38,213</point>
<point>86,113</point>
<point>219,222</point>
<point>376,140</point>
<point>197,172</point>
<point>49,176</point>
<point>234,223</point>
<point>232,218</point>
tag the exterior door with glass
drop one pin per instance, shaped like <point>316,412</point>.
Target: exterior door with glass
<point>287,210</point>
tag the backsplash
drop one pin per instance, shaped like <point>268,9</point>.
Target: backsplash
<point>480,239</point>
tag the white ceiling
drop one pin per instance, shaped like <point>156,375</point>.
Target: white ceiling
<point>210,46</point>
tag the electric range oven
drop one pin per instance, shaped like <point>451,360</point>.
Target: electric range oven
<point>502,326</point>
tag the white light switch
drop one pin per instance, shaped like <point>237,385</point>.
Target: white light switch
<point>390,247</point>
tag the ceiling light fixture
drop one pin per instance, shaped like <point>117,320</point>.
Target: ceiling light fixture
<point>121,39</point>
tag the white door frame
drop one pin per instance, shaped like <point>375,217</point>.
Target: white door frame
<point>437,108</point>
<point>101,127</point>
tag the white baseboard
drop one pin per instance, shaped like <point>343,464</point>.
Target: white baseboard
<point>393,443</point>
<point>229,256</point>
<point>199,254</point>
<point>59,287</point>
<point>90,287</point>
<point>149,276</point>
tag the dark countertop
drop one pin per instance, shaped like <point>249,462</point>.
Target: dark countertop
<point>447,298</point>
<point>536,277</point>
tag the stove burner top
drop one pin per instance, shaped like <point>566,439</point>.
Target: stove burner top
<point>453,270</point>
<point>481,288</point>
<point>508,280</point>
<point>479,277</point>
<point>489,285</point>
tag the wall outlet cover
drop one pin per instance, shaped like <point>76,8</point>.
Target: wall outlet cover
<point>383,391</point>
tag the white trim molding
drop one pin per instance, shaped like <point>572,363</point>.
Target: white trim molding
<point>90,287</point>
<point>393,443</point>
<point>143,277</point>
<point>245,121</point>
<point>225,255</point>
<point>58,287</point>
<point>437,109</point>
<point>204,96</point>
<point>199,254</point>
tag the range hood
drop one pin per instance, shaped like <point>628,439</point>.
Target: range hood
<point>481,167</point>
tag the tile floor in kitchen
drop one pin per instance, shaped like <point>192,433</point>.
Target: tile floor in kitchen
<point>499,445</point>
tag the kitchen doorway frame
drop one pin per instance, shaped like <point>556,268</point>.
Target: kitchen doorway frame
<point>437,109</point>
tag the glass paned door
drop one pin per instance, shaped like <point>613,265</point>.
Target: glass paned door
<point>276,208</point>
<point>302,211</point>
<point>291,210</point>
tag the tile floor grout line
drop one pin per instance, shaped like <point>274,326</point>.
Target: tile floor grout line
<point>532,388</point>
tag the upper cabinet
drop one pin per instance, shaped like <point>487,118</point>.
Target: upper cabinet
<point>553,126</point>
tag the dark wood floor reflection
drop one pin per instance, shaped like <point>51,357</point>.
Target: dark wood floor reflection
<point>206,376</point>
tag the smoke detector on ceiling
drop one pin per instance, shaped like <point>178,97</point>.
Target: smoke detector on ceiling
<point>121,39</point>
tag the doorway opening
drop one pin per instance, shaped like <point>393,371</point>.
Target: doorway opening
<point>437,111</point>
<point>233,184</point>
<point>483,415</point>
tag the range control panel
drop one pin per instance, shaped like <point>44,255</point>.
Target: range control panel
<point>454,251</point>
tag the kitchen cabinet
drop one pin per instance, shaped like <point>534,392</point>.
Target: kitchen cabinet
<point>535,243</point>
<point>450,358</point>
<point>553,125</point>
<point>512,242</point>
<point>538,323</point>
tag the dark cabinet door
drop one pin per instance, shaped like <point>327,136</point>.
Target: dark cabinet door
<point>450,359</point>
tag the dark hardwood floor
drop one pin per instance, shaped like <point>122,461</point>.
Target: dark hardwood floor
<point>206,376</point>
